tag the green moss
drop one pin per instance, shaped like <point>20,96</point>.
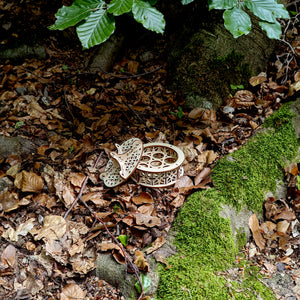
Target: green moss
<point>246,175</point>
<point>241,239</point>
<point>204,239</point>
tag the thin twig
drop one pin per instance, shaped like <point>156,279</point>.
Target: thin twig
<point>127,258</point>
<point>82,187</point>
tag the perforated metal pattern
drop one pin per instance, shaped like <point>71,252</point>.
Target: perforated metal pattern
<point>111,176</point>
<point>160,165</point>
<point>152,165</point>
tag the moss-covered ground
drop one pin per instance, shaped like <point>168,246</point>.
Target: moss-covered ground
<point>204,239</point>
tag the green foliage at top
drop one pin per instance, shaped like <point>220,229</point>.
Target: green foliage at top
<point>95,18</point>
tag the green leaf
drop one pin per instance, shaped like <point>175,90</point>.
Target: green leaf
<point>222,4</point>
<point>119,7</point>
<point>267,10</point>
<point>237,21</point>
<point>145,282</point>
<point>68,16</point>
<point>123,239</point>
<point>97,28</point>
<point>273,30</point>
<point>19,124</point>
<point>149,16</point>
<point>184,2</point>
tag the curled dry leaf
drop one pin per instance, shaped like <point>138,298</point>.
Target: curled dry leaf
<point>286,215</point>
<point>54,228</point>
<point>256,80</point>
<point>254,226</point>
<point>178,201</point>
<point>22,230</point>
<point>202,175</point>
<point>96,198</point>
<point>9,201</point>
<point>282,227</point>
<point>141,261</point>
<point>76,179</point>
<point>142,199</point>
<point>29,182</point>
<point>68,195</point>
<point>71,292</point>
<point>8,257</point>
<point>156,244</point>
<point>196,113</point>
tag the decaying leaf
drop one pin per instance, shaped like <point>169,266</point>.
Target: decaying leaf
<point>254,226</point>
<point>146,220</point>
<point>8,257</point>
<point>256,80</point>
<point>22,230</point>
<point>282,227</point>
<point>76,179</point>
<point>29,182</point>
<point>141,261</point>
<point>156,244</point>
<point>142,199</point>
<point>72,292</point>
<point>9,201</point>
<point>54,228</point>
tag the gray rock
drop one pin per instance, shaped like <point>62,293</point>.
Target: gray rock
<point>239,221</point>
<point>280,267</point>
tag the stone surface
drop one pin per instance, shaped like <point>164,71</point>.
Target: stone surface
<point>239,220</point>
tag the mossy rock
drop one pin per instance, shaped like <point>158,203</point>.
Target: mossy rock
<point>211,60</point>
<point>205,242</point>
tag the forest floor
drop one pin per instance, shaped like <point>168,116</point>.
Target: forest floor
<point>73,118</point>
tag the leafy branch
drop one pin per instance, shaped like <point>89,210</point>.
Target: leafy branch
<point>95,19</point>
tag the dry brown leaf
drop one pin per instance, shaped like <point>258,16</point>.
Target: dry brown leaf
<point>183,182</point>
<point>282,227</point>
<point>254,226</point>
<point>29,182</point>
<point>96,198</point>
<point>202,175</point>
<point>156,244</point>
<point>256,80</point>
<point>268,229</point>
<point>297,76</point>
<point>292,169</point>
<point>22,230</point>
<point>9,201</point>
<point>68,195</point>
<point>72,292</point>
<point>148,221</point>
<point>142,199</point>
<point>141,261</point>
<point>54,228</point>
<point>146,209</point>
<point>196,113</point>
<point>286,215</point>
<point>8,257</point>
<point>77,179</point>
<point>105,246</point>
<point>178,201</point>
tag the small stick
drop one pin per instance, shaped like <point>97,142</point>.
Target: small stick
<point>82,187</point>
<point>127,258</point>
